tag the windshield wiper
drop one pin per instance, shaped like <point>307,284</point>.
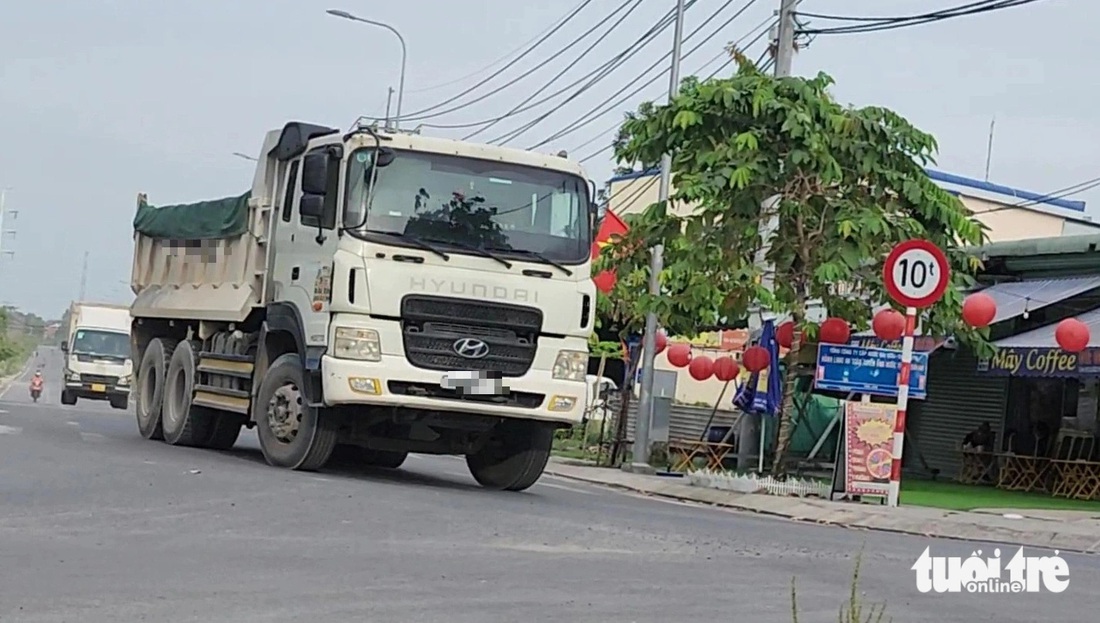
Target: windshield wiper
<point>469,247</point>
<point>417,242</point>
<point>541,258</point>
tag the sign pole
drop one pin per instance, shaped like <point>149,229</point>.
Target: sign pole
<point>903,404</point>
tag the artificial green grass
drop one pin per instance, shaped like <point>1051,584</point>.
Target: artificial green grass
<point>954,496</point>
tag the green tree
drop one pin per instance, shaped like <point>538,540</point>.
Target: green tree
<point>846,184</point>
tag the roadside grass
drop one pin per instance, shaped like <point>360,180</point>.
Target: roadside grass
<point>958,497</point>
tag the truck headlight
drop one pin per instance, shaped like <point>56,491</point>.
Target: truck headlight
<point>571,365</point>
<point>360,344</point>
<point>125,380</point>
<point>74,376</point>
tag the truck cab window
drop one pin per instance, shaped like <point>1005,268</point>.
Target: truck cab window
<point>291,190</point>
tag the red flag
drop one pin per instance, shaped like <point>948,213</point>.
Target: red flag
<point>611,227</point>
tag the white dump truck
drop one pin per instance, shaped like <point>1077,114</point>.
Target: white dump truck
<point>97,354</point>
<point>375,293</point>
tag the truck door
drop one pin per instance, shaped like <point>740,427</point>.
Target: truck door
<point>306,240</point>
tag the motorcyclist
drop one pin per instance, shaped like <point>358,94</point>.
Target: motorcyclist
<point>36,382</point>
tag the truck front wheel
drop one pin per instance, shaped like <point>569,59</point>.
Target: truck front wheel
<point>292,433</point>
<point>514,456</point>
<point>359,456</point>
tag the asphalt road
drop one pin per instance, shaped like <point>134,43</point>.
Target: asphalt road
<point>98,525</point>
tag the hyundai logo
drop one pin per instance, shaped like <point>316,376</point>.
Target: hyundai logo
<point>470,348</point>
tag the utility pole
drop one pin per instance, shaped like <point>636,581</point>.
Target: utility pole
<point>748,431</point>
<point>84,277</point>
<point>389,100</point>
<point>4,212</point>
<point>640,461</point>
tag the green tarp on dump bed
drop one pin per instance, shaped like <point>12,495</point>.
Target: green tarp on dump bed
<point>205,220</point>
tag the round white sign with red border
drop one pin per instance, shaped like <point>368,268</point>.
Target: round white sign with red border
<point>916,273</point>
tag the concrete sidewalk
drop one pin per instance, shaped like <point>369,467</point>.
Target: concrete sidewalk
<point>1075,531</point>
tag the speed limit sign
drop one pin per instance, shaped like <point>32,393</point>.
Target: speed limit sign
<point>916,273</point>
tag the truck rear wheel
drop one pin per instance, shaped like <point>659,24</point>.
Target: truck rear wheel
<point>358,455</point>
<point>514,456</point>
<point>292,433</point>
<point>184,424</point>
<point>223,431</point>
<point>150,387</point>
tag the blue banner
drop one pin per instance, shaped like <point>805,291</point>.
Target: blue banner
<point>871,371</point>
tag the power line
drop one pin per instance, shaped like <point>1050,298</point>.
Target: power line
<point>642,42</point>
<point>893,23</point>
<point>615,61</point>
<point>420,114</point>
<point>763,30</point>
<point>618,22</point>
<point>501,59</point>
<point>596,113</point>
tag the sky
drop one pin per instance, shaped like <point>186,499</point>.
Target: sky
<point>103,99</point>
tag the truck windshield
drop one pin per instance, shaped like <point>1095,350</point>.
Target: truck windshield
<point>466,202</point>
<point>102,343</point>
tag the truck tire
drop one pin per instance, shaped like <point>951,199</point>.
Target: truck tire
<point>152,371</point>
<point>223,431</point>
<point>183,424</point>
<point>119,402</point>
<point>67,397</point>
<point>292,434</point>
<point>514,457</point>
<point>360,456</point>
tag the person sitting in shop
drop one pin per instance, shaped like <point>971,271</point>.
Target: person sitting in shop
<point>980,439</point>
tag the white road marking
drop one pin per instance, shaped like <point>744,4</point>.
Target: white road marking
<point>10,430</point>
<point>565,488</point>
<point>93,437</point>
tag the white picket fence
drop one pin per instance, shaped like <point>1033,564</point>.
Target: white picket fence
<point>751,483</point>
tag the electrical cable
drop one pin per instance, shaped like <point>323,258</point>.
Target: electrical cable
<point>496,62</point>
<point>516,133</point>
<point>615,61</point>
<point>618,22</point>
<point>896,18</point>
<point>763,30</point>
<point>420,114</point>
<point>883,24</point>
<point>595,113</point>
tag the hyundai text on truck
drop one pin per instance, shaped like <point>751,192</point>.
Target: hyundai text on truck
<point>376,293</point>
<point>97,354</point>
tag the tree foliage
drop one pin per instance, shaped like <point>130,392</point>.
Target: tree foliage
<point>842,185</point>
<point>850,184</point>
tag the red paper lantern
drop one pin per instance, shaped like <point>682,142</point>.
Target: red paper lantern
<point>756,358</point>
<point>979,310</point>
<point>888,324</point>
<point>605,281</point>
<point>662,342</point>
<point>1072,335</point>
<point>701,368</point>
<point>726,369</point>
<point>784,334</point>
<point>834,331</point>
<point>679,355</point>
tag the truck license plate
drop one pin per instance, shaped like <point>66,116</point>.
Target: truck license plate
<point>99,387</point>
<point>472,383</point>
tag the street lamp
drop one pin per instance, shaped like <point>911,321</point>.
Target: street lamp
<point>404,55</point>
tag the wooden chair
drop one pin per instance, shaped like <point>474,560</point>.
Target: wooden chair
<point>1074,472</point>
<point>1022,472</point>
<point>683,454</point>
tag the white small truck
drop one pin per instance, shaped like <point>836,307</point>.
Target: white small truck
<point>97,354</point>
<point>375,293</point>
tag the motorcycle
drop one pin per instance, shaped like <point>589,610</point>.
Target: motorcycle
<point>36,389</point>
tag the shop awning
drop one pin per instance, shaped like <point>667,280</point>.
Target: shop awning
<point>1043,337</point>
<point>1036,353</point>
<point>1013,298</point>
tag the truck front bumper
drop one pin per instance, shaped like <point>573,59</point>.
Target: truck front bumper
<point>98,389</point>
<point>394,382</point>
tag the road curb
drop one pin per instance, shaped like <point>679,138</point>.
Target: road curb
<point>8,380</point>
<point>1047,539</point>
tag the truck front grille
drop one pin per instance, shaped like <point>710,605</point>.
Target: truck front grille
<point>432,327</point>
<point>98,379</point>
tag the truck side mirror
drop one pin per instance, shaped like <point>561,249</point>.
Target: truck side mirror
<point>385,157</point>
<point>312,205</point>
<point>65,347</point>
<point>314,175</point>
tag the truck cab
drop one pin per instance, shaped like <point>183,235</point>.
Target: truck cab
<point>404,294</point>
<point>97,355</point>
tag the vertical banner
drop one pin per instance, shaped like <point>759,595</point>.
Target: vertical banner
<point>868,447</point>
